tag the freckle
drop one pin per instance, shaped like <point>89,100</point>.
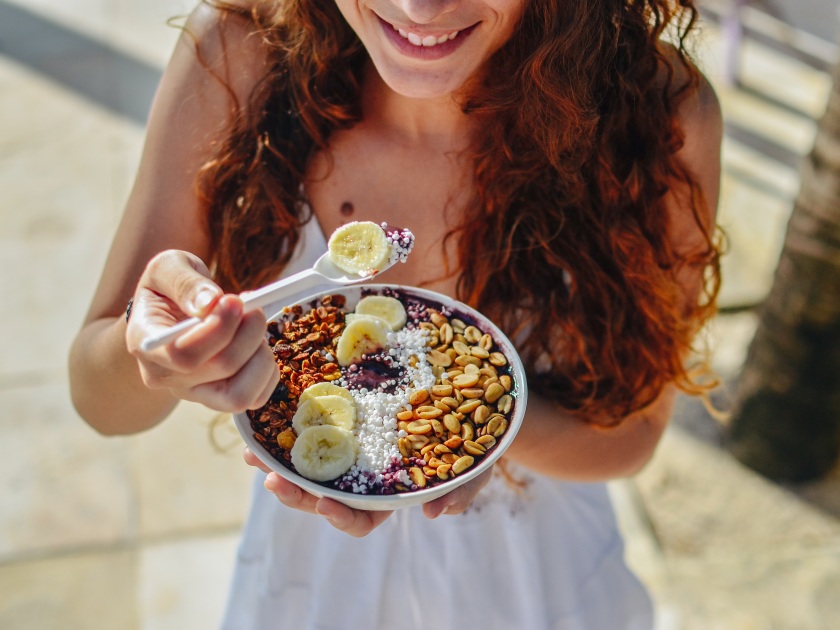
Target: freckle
<point>347,208</point>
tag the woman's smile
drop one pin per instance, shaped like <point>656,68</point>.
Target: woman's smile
<point>431,48</point>
<point>424,43</point>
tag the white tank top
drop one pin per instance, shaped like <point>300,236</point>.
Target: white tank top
<point>541,555</point>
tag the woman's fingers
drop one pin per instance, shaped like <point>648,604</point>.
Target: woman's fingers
<point>238,388</point>
<point>184,279</point>
<point>459,499</point>
<point>174,285</point>
<point>223,362</point>
<point>252,460</point>
<point>250,388</point>
<point>357,523</point>
<point>212,340</point>
<point>289,494</point>
<point>360,523</point>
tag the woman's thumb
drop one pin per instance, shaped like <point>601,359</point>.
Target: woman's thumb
<point>185,279</point>
<point>203,300</point>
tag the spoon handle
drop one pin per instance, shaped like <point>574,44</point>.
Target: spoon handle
<point>274,291</point>
<point>251,300</point>
<point>170,334</point>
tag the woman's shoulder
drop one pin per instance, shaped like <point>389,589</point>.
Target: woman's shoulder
<point>699,119</point>
<point>227,43</point>
<point>232,18</point>
<point>698,112</point>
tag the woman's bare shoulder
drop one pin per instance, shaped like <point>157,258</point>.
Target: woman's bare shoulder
<point>698,113</point>
<point>226,44</point>
<point>699,119</point>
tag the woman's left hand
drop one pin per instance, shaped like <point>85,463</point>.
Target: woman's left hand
<point>459,499</point>
<point>360,523</point>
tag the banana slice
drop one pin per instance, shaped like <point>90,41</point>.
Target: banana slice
<point>325,389</point>
<point>360,247</point>
<point>349,317</point>
<point>387,308</point>
<point>335,411</point>
<point>324,452</point>
<point>360,337</point>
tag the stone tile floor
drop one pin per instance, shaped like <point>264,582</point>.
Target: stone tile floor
<point>140,532</point>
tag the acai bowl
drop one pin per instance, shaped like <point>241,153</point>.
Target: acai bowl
<point>389,397</point>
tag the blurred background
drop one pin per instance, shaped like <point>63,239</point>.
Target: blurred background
<point>141,532</point>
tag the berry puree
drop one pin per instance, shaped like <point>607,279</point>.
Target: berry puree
<point>375,372</point>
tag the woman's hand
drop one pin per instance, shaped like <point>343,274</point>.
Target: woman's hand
<point>223,362</point>
<point>360,523</point>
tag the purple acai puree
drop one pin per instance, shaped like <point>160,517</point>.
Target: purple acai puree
<point>376,372</point>
<point>369,482</point>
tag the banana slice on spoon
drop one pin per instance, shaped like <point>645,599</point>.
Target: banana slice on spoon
<point>360,248</point>
<point>356,246</point>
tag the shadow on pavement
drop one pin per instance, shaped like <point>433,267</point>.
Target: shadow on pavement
<point>105,75</point>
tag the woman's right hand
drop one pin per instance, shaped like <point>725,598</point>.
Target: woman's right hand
<point>223,362</point>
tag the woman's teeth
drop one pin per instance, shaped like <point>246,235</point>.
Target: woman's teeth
<point>428,41</point>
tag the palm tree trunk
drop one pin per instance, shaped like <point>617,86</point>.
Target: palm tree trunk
<point>786,416</point>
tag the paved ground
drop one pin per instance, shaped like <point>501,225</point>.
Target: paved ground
<point>140,532</point>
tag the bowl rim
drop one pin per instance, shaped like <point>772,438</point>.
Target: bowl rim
<point>383,502</point>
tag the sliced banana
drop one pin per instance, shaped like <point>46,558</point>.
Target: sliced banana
<point>324,452</point>
<point>349,317</point>
<point>387,308</point>
<point>360,247</point>
<point>325,389</point>
<point>360,337</point>
<point>335,411</point>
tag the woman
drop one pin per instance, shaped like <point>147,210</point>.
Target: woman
<point>558,165</point>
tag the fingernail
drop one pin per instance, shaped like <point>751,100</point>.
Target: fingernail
<point>204,299</point>
<point>441,513</point>
<point>270,480</point>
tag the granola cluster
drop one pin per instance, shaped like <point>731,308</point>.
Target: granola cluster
<point>302,347</point>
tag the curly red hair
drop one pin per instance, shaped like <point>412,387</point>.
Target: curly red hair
<point>577,153</point>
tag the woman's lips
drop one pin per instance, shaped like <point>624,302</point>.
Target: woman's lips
<point>425,46</point>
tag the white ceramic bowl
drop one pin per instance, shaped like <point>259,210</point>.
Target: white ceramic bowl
<point>519,391</point>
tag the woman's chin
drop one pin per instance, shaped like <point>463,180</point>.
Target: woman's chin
<point>423,85</point>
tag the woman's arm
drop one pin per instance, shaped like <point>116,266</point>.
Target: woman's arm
<point>556,444</point>
<point>115,391</point>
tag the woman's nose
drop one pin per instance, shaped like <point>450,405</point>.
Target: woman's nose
<point>426,11</point>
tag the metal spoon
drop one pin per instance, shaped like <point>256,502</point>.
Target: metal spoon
<point>323,268</point>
